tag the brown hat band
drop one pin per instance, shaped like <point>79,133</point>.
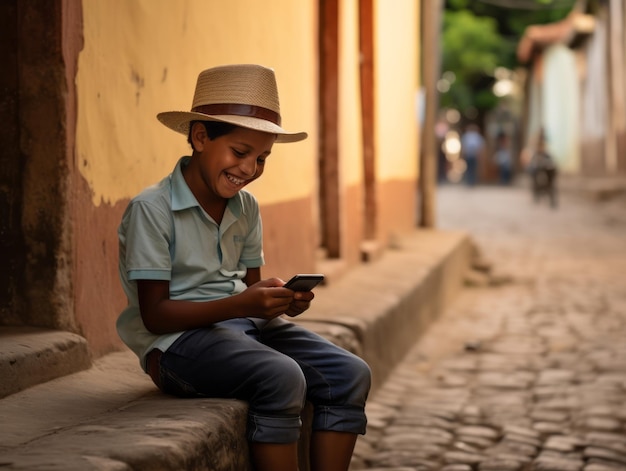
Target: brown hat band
<point>237,109</point>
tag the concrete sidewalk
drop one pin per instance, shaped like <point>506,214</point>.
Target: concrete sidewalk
<point>111,417</point>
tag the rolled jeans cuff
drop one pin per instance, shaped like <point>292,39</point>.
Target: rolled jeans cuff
<point>340,419</point>
<point>273,429</point>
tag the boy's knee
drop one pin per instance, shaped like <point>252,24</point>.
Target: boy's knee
<point>283,389</point>
<point>357,379</point>
<point>363,375</point>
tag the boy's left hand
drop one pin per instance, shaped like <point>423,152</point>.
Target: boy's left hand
<point>301,302</point>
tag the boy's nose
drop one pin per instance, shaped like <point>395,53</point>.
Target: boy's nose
<point>248,166</point>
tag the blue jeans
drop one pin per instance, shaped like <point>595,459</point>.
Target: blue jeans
<point>276,366</point>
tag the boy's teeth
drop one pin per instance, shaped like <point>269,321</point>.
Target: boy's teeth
<point>236,181</point>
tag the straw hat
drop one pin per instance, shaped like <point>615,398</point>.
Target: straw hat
<point>243,94</point>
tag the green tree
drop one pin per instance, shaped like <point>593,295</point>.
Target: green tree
<point>480,35</point>
<point>472,49</point>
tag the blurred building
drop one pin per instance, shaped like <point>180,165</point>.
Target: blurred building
<point>576,88</point>
<point>83,81</point>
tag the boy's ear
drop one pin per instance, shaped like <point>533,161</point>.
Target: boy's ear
<point>198,136</point>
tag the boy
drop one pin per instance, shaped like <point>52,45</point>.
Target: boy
<point>200,317</point>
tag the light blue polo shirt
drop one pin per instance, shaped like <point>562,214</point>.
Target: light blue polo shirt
<point>166,235</point>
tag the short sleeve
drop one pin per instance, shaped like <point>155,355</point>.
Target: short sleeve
<point>148,240</point>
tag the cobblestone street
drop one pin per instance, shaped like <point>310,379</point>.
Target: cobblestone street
<point>527,369</point>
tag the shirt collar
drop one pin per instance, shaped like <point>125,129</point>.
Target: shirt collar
<point>183,198</point>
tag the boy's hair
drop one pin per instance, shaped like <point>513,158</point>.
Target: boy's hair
<point>214,129</point>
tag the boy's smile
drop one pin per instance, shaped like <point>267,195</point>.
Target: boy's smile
<point>221,167</point>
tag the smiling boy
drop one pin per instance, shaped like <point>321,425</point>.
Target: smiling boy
<point>200,317</point>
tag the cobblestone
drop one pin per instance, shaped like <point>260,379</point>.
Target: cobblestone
<point>527,370</point>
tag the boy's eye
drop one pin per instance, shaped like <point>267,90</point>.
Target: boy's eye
<point>239,153</point>
<point>260,160</point>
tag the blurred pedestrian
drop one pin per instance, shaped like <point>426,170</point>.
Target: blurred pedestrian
<point>543,172</point>
<point>472,145</point>
<point>441,128</point>
<point>503,158</point>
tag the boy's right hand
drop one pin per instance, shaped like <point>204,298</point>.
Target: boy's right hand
<point>266,299</point>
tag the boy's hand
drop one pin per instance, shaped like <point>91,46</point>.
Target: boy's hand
<point>267,299</point>
<point>301,302</point>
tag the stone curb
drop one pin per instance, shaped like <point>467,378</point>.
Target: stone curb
<point>31,356</point>
<point>110,417</point>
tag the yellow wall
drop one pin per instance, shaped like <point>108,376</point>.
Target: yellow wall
<point>142,57</point>
<point>397,54</point>
<point>397,82</point>
<point>350,138</point>
<point>351,204</point>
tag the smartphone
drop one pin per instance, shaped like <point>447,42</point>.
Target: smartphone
<point>304,281</point>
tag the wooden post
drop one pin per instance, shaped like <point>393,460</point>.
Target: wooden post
<point>617,127</point>
<point>329,132</point>
<point>430,33</point>
<point>368,112</point>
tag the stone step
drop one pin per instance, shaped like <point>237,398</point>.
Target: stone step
<point>111,416</point>
<point>30,356</point>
